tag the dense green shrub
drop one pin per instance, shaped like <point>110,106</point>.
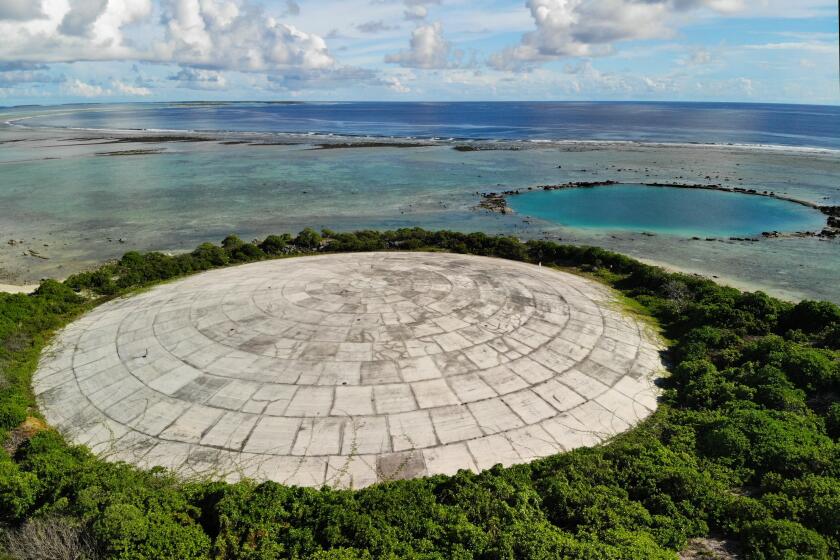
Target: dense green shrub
<point>703,386</point>
<point>247,252</point>
<point>811,316</point>
<point>239,252</point>
<point>208,255</point>
<point>231,243</point>
<point>275,244</point>
<point>830,337</point>
<point>810,367</point>
<point>813,501</point>
<point>13,408</point>
<point>832,420</point>
<point>308,239</point>
<point>18,490</point>
<point>129,533</point>
<point>771,387</point>
<point>100,281</point>
<point>744,443</point>
<point>774,539</point>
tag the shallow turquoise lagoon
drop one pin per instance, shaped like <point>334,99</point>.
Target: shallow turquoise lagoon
<point>676,211</point>
<point>75,208</point>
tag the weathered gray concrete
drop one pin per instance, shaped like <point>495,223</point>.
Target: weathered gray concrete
<point>350,369</point>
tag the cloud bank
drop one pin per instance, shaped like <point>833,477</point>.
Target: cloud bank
<point>585,28</point>
<point>419,49</point>
<point>226,34</point>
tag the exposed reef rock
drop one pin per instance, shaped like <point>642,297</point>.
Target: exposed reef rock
<point>159,139</point>
<point>494,202</point>
<point>486,147</point>
<point>577,185</point>
<point>345,145</point>
<point>832,229</point>
<point>132,152</point>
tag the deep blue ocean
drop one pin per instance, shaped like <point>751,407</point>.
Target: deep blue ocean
<point>706,123</point>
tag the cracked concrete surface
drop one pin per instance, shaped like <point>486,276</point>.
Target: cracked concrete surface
<point>350,369</point>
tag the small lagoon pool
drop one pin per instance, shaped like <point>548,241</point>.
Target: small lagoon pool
<point>675,211</point>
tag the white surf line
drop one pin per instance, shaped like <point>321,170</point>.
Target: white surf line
<point>440,141</point>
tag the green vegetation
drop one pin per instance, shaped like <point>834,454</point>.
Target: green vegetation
<point>744,446</point>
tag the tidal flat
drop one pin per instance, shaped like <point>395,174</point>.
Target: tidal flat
<point>70,200</point>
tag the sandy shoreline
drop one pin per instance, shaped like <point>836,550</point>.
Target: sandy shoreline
<point>18,288</point>
<point>744,286</point>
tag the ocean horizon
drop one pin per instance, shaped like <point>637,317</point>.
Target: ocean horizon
<point>806,126</point>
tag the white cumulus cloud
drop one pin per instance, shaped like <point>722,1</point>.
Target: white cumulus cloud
<point>395,84</point>
<point>73,31</point>
<point>221,34</point>
<point>574,28</point>
<point>428,49</point>
<point>237,35</point>
<point>197,78</point>
<point>78,88</point>
<point>123,88</point>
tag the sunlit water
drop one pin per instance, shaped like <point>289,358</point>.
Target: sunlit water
<point>672,211</point>
<point>72,206</point>
<point>789,125</point>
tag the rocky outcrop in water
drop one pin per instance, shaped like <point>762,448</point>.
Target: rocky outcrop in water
<point>494,202</point>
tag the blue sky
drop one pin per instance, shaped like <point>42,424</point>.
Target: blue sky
<point>63,51</point>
